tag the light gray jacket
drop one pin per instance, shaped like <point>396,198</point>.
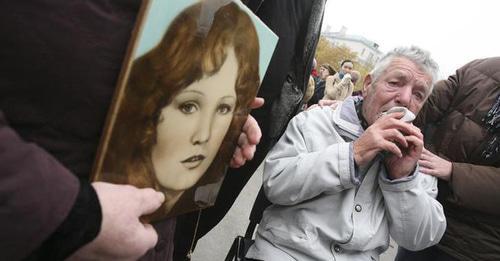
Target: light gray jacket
<point>325,209</point>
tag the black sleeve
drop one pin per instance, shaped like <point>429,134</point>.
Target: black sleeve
<point>80,227</point>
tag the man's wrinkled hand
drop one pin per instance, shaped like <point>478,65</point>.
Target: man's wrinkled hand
<point>404,165</point>
<point>401,140</point>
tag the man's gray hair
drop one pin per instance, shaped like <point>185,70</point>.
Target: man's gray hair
<point>420,57</point>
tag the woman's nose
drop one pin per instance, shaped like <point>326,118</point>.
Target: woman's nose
<point>203,130</point>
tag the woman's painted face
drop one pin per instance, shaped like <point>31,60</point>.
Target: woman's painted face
<point>191,128</point>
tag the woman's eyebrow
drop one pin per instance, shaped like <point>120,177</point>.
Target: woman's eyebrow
<point>228,97</point>
<point>191,91</point>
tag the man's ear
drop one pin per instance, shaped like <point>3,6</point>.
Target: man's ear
<point>367,84</point>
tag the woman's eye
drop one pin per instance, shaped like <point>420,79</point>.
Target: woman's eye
<point>188,107</point>
<point>224,109</point>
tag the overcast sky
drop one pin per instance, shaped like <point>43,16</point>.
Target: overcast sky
<point>455,32</point>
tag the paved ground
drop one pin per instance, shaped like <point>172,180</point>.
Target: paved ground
<point>215,245</point>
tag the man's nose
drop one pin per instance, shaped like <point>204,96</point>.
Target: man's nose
<point>403,97</point>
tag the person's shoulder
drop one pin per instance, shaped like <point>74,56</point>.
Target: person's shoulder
<point>336,77</point>
<point>484,62</point>
<point>487,67</point>
<point>477,75</point>
<point>480,66</point>
<point>318,114</point>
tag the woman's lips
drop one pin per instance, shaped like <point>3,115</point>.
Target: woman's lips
<point>193,162</point>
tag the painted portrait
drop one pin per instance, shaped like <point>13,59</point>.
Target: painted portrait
<point>176,117</point>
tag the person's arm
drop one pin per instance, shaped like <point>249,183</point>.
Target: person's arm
<point>331,88</point>
<point>466,180</point>
<point>339,88</point>
<point>36,191</point>
<point>122,235</point>
<point>476,187</point>
<point>416,218</point>
<point>349,91</point>
<point>48,214</point>
<point>345,87</point>
<point>293,174</point>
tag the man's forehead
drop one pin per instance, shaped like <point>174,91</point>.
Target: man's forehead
<point>348,64</point>
<point>403,67</point>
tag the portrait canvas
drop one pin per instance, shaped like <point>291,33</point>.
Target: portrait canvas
<point>191,71</point>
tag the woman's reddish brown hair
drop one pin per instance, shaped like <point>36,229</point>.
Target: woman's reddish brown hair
<point>183,56</point>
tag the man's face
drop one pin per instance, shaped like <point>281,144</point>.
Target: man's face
<point>403,83</point>
<point>347,67</point>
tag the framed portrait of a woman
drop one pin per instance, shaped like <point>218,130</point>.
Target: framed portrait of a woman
<point>191,71</point>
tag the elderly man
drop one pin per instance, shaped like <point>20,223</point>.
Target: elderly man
<point>343,180</point>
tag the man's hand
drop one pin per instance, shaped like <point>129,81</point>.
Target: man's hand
<point>122,235</point>
<point>434,165</point>
<point>399,167</point>
<point>325,103</point>
<point>402,140</point>
<point>249,138</point>
<point>332,103</point>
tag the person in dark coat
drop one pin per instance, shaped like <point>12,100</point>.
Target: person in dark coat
<point>462,128</point>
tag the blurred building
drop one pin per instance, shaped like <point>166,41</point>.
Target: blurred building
<point>368,52</point>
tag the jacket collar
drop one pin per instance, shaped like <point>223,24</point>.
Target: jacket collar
<point>346,118</point>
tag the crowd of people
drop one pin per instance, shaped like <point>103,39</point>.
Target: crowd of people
<point>330,85</point>
<point>344,177</point>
